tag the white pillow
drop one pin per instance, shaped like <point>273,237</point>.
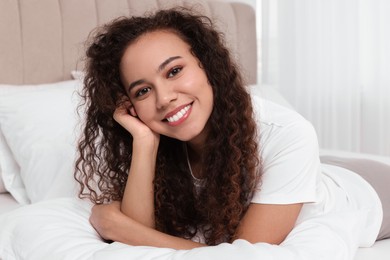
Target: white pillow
<point>38,124</point>
<point>10,170</point>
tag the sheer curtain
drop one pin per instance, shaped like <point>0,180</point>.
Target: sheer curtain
<point>331,60</point>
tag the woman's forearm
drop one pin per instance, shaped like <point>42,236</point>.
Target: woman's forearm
<point>138,198</point>
<point>131,232</point>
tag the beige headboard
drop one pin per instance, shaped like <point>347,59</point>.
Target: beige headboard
<point>41,41</point>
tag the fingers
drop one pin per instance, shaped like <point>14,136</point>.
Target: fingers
<point>123,112</point>
<point>124,109</point>
<point>126,116</point>
<point>128,106</point>
<point>132,111</point>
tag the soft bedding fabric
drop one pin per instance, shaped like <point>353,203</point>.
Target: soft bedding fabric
<point>10,171</point>
<point>59,229</point>
<point>37,139</point>
<point>379,251</point>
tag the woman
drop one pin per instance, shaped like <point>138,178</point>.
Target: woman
<point>177,154</point>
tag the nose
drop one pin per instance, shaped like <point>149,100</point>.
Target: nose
<point>166,93</point>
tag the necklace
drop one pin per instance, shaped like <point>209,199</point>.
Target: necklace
<point>197,182</point>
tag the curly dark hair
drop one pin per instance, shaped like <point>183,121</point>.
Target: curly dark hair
<point>230,157</point>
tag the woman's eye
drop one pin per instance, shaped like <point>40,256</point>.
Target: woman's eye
<point>174,71</point>
<point>142,92</point>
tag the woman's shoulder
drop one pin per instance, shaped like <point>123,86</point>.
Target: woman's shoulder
<point>289,152</point>
<point>283,133</point>
<point>275,118</point>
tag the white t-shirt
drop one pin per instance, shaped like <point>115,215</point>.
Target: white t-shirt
<point>337,198</point>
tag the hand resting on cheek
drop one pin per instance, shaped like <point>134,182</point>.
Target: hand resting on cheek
<point>126,116</point>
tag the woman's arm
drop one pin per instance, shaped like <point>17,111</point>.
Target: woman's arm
<point>138,198</point>
<point>268,223</point>
<point>112,224</point>
<point>262,223</point>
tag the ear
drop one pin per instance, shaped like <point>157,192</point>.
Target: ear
<point>132,111</point>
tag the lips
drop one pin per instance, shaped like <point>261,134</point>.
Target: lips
<point>178,115</point>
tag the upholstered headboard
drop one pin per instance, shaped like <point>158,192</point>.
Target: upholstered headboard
<point>42,40</point>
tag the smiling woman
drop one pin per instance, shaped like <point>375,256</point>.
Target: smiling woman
<point>158,89</point>
<point>177,154</point>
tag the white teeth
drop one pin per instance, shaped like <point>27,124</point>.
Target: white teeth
<point>179,114</point>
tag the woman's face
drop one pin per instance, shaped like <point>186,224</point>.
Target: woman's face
<point>169,90</point>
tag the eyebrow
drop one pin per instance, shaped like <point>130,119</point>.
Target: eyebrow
<point>166,62</point>
<point>160,68</point>
<point>135,83</point>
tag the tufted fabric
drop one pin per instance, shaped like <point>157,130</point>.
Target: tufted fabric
<point>43,40</point>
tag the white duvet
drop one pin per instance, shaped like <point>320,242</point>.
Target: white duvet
<point>59,229</point>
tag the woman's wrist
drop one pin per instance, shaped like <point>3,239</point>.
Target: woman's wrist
<point>146,144</point>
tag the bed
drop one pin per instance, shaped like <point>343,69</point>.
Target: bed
<point>41,55</point>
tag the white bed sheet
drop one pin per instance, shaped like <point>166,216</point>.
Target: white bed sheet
<point>379,251</point>
<point>59,229</point>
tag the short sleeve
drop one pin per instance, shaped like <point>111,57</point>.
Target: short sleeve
<point>290,159</point>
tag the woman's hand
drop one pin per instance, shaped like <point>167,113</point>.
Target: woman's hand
<point>125,115</point>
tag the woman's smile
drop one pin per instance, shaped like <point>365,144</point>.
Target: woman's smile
<point>179,115</point>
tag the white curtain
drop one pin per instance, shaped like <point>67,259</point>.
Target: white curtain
<point>331,60</point>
